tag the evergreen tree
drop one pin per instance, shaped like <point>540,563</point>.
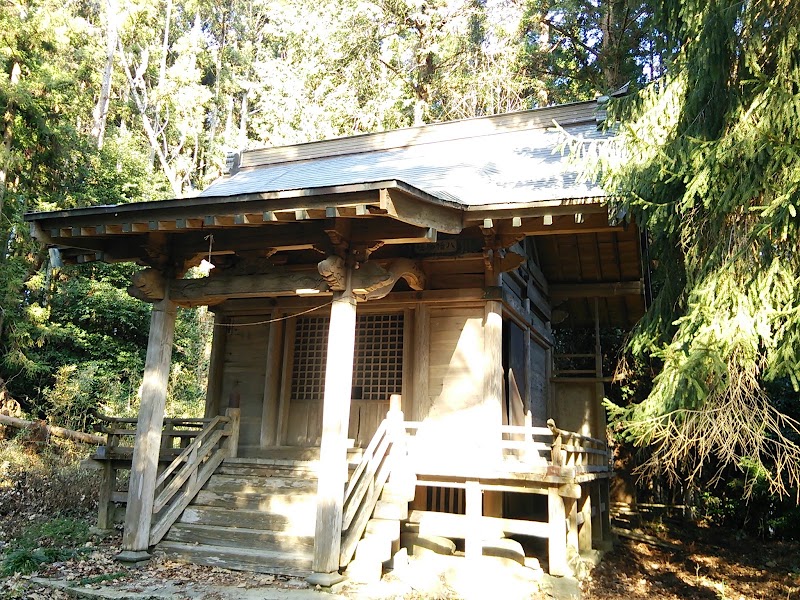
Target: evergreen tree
<point>707,160</point>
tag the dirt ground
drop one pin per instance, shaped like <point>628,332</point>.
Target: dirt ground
<point>712,564</point>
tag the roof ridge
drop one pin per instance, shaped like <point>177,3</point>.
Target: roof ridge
<point>537,118</point>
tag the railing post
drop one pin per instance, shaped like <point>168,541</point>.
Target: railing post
<point>557,534</point>
<point>556,457</point>
<point>235,415</point>
<point>108,484</point>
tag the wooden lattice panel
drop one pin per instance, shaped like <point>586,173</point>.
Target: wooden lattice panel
<point>308,371</point>
<point>377,364</point>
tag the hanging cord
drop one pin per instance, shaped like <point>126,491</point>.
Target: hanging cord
<point>276,319</point>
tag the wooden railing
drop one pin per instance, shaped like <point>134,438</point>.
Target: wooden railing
<point>177,434</point>
<point>366,483</point>
<point>552,446</point>
<point>528,449</point>
<point>188,473</point>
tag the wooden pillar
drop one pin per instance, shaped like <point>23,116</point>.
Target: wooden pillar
<point>421,357</point>
<point>557,535</point>
<point>473,542</point>
<point>144,467</point>
<point>571,510</point>
<point>600,413</point>
<point>605,510</point>
<point>105,507</point>
<point>335,420</point>
<point>216,366</point>
<point>597,517</point>
<point>272,384</point>
<point>493,365</point>
<point>585,528</point>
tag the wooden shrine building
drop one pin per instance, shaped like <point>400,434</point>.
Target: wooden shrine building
<point>382,361</point>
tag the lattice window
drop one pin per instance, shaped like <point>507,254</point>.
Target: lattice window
<point>377,364</point>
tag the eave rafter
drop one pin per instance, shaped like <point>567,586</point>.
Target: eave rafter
<point>357,218</point>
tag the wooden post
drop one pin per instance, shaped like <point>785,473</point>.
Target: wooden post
<point>144,466</point>
<point>216,366</point>
<point>108,485</point>
<point>585,508</point>
<point>473,542</point>
<point>335,420</point>
<point>605,510</point>
<point>600,413</point>
<point>493,368</point>
<point>235,415</point>
<point>571,509</point>
<point>421,358</point>
<point>272,383</point>
<point>557,538</point>
<point>597,517</point>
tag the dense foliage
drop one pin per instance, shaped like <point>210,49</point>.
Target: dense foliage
<point>707,160</point>
<point>115,102</point>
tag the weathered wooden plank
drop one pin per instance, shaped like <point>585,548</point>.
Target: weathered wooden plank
<point>237,537</point>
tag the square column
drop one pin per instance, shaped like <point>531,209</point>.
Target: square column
<point>144,467</point>
<point>335,420</point>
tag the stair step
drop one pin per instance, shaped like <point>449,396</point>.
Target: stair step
<point>285,502</point>
<point>294,521</point>
<point>390,510</point>
<point>290,469</point>
<point>291,454</point>
<point>239,559</point>
<point>239,537</point>
<point>264,485</point>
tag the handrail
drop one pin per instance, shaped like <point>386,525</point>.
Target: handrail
<point>190,448</point>
<point>200,459</point>
<point>546,446</point>
<point>366,485</point>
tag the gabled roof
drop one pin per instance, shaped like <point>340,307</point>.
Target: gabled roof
<point>511,158</point>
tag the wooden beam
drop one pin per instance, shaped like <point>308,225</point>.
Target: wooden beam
<point>406,208</point>
<point>335,421</point>
<point>213,290</point>
<point>144,466</point>
<point>579,223</point>
<point>596,290</point>
<point>474,215</point>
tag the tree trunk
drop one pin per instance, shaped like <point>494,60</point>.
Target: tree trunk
<point>100,114</point>
<point>152,136</point>
<point>62,432</point>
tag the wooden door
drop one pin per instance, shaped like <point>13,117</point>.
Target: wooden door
<point>377,373</point>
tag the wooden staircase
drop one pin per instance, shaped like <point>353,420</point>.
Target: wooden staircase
<point>253,514</point>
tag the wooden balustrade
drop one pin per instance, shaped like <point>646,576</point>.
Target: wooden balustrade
<point>366,484</point>
<point>189,448</point>
<point>176,435</point>
<point>190,470</point>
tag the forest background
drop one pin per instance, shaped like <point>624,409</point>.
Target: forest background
<point>111,102</point>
